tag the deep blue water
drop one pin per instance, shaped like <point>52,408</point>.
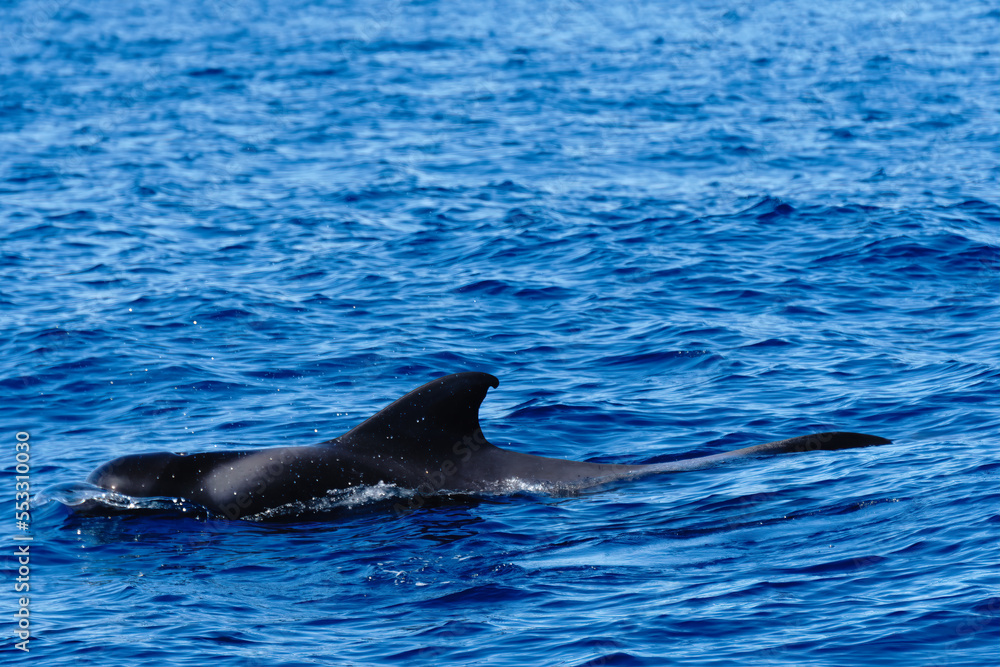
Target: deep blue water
<point>667,228</point>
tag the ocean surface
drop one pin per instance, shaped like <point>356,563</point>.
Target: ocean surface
<point>669,229</point>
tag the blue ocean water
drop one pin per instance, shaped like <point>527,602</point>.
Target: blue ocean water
<point>668,228</point>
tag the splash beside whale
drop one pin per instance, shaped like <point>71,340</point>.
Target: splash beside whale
<point>429,440</point>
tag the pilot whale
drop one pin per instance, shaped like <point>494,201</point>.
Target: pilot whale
<point>429,440</point>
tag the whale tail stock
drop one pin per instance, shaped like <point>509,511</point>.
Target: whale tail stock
<point>804,443</point>
<point>424,425</point>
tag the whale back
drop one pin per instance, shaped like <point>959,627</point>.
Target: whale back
<point>432,431</point>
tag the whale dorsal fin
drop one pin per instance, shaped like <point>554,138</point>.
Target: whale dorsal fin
<point>428,421</point>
